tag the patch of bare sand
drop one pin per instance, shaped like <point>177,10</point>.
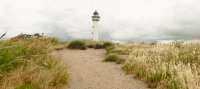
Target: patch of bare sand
<point>87,71</point>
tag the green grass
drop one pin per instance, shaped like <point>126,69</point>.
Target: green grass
<point>107,44</point>
<point>154,78</point>
<point>27,86</point>
<point>91,46</point>
<point>77,45</point>
<point>12,52</point>
<point>110,49</point>
<point>114,58</point>
<point>90,43</point>
<point>99,46</point>
<point>24,62</point>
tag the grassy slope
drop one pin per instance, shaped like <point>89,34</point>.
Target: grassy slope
<point>31,62</point>
<point>173,66</point>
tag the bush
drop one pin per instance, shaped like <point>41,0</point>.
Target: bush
<point>108,44</point>
<point>110,49</point>
<point>91,46</point>
<point>77,45</point>
<point>99,46</point>
<point>27,86</point>
<point>90,43</point>
<point>114,58</point>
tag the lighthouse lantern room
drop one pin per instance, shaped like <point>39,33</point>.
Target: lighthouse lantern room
<point>95,19</point>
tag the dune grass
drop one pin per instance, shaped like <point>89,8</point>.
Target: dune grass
<point>94,44</point>
<point>77,44</point>
<point>27,86</point>
<point>30,63</point>
<point>108,44</point>
<point>114,58</point>
<point>162,66</point>
<point>84,44</point>
<point>99,46</point>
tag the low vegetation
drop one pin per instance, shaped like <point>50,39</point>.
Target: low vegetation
<point>54,41</point>
<point>102,45</point>
<point>110,49</point>
<point>162,66</point>
<point>107,44</point>
<point>30,64</point>
<point>90,43</point>
<point>114,58</point>
<point>84,44</point>
<point>77,45</point>
<point>27,86</point>
<point>98,46</point>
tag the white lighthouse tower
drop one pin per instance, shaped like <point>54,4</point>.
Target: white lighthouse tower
<point>95,19</point>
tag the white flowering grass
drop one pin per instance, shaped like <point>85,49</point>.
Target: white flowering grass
<point>171,66</point>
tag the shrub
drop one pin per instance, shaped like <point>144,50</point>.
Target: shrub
<point>77,45</point>
<point>114,58</point>
<point>90,43</point>
<point>27,86</point>
<point>99,46</point>
<point>91,46</point>
<point>108,44</point>
<point>110,49</point>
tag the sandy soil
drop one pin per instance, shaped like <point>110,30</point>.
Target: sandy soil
<point>87,71</point>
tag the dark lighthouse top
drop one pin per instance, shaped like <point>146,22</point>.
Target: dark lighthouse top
<point>95,16</point>
<point>96,13</point>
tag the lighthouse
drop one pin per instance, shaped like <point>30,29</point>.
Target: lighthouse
<point>95,19</point>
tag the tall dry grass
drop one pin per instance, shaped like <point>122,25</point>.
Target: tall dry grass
<point>163,66</point>
<point>31,61</point>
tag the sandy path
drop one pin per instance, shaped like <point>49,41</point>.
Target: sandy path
<point>87,71</point>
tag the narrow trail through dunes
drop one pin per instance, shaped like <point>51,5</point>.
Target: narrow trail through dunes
<point>87,71</point>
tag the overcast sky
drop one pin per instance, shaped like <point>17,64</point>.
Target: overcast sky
<point>120,19</point>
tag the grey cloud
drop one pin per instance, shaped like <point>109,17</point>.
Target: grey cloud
<point>153,20</point>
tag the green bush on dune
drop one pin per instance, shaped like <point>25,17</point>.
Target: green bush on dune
<point>99,46</point>
<point>91,46</point>
<point>77,45</point>
<point>90,43</point>
<point>114,58</point>
<point>108,44</point>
